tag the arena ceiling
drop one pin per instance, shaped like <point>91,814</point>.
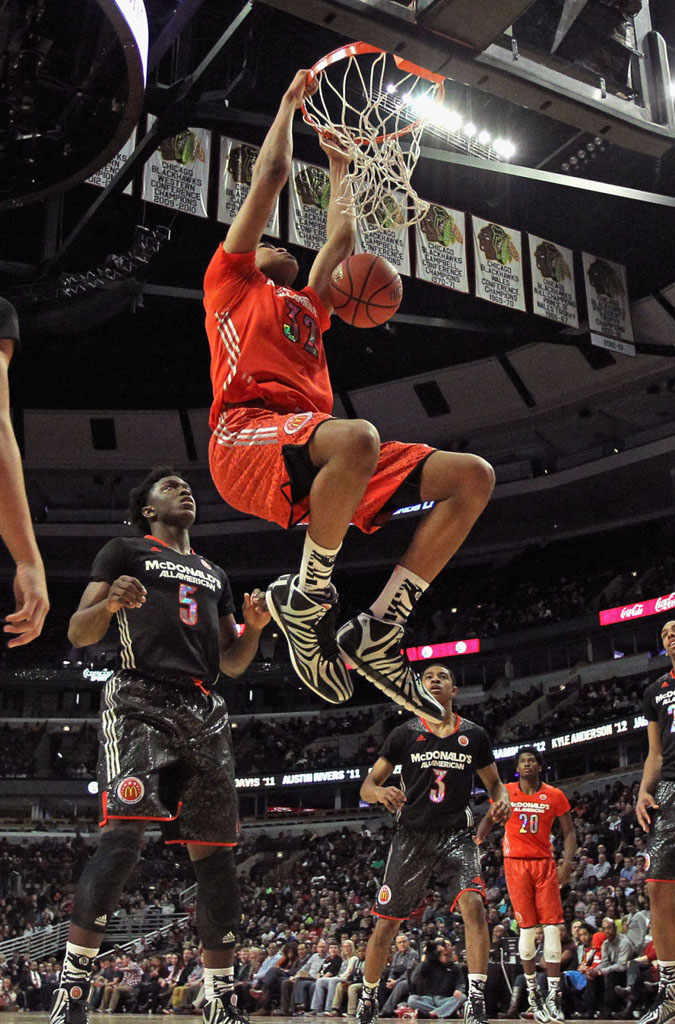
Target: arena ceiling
<point>519,389</point>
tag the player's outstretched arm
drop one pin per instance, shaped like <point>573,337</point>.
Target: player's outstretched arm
<point>16,528</point>
<point>237,652</point>
<point>500,808</point>
<point>271,170</point>
<point>651,775</point>
<point>373,790</point>
<point>99,602</point>
<point>340,226</point>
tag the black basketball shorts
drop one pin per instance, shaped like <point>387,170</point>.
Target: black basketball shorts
<point>166,756</point>
<point>451,855</point>
<point>661,839</point>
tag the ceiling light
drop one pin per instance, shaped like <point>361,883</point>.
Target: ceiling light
<point>484,138</point>
<point>504,148</point>
<point>391,87</point>
<point>470,129</point>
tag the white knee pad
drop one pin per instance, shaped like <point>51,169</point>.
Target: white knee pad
<point>552,946</point>
<point>526,943</point>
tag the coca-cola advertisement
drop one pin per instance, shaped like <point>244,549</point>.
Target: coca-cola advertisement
<point>638,609</point>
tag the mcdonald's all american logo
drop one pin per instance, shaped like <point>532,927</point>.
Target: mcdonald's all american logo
<point>384,894</point>
<point>463,741</point>
<point>130,790</point>
<point>76,992</point>
<point>294,423</point>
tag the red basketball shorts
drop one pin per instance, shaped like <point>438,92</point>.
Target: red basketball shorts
<point>260,464</point>
<point>534,890</point>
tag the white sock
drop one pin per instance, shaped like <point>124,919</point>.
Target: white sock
<point>531,982</point>
<point>477,984</point>
<point>553,984</point>
<point>401,593</point>
<point>218,981</point>
<point>78,962</point>
<point>317,566</point>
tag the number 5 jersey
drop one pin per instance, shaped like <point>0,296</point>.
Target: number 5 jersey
<point>175,633</point>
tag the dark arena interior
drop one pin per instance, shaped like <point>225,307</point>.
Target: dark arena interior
<point>536,330</point>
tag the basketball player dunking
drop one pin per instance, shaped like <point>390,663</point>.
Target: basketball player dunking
<point>277,453</point>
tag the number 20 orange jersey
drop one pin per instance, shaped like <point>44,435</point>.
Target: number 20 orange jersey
<point>527,833</point>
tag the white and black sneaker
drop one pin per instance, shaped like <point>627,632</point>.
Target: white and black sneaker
<point>536,1009</point>
<point>219,1011</point>
<point>374,646</point>
<point>474,1009</point>
<point>309,628</point>
<point>366,1011</point>
<point>553,1005</point>
<point>662,1012</point>
<point>69,1003</point>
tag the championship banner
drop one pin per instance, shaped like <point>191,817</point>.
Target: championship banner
<point>499,264</point>
<point>389,240</point>
<point>177,173</point>
<point>553,291</point>
<point>308,198</point>
<point>237,160</point>
<point>607,298</point>
<point>105,175</point>
<point>441,248</point>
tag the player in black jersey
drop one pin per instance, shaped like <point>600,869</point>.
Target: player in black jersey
<point>656,806</point>
<point>435,832</point>
<point>166,749</point>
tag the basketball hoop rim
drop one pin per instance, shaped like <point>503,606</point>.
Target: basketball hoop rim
<point>355,50</point>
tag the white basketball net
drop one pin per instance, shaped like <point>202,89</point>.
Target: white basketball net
<point>375,111</point>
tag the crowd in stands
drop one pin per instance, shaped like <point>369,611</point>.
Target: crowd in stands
<point>314,901</point>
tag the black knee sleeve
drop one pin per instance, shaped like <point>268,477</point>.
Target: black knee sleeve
<point>218,907</point>
<point>102,880</point>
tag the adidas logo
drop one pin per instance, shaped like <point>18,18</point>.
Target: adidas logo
<point>420,739</point>
<point>102,920</point>
<point>228,937</point>
<point>664,684</point>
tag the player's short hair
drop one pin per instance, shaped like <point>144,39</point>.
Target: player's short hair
<point>529,750</point>
<point>138,496</point>
<point>441,665</point>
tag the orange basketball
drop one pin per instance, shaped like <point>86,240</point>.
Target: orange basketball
<point>365,290</point>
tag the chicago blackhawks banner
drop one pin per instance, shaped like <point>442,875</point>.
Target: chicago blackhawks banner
<point>553,291</point>
<point>499,264</point>
<point>177,173</point>
<point>388,240</point>
<point>441,248</point>
<point>105,175</point>
<point>308,198</point>
<point>607,298</point>
<point>237,160</point>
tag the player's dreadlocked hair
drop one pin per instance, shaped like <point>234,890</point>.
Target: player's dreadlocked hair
<point>138,496</point>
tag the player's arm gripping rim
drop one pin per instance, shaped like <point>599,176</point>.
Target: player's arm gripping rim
<point>651,775</point>
<point>340,226</point>
<point>271,170</point>
<point>373,790</point>
<point>237,652</point>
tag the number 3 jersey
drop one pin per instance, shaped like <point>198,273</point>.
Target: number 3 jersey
<point>527,832</point>
<point>175,633</point>
<point>265,339</point>
<point>437,771</point>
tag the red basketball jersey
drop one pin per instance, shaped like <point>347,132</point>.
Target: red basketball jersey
<point>265,339</point>
<point>527,833</point>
